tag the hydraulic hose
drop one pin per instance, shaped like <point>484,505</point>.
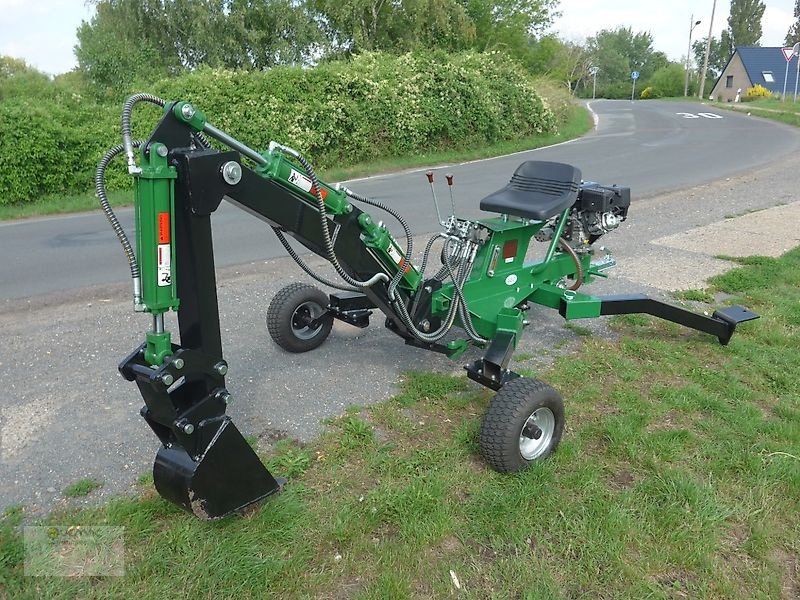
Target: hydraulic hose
<point>406,229</point>
<point>301,263</point>
<point>100,191</point>
<point>127,109</point>
<point>578,266</point>
<point>326,234</point>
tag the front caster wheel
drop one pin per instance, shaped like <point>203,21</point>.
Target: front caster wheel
<point>297,318</point>
<point>524,423</point>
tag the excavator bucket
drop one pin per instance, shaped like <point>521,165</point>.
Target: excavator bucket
<point>227,478</point>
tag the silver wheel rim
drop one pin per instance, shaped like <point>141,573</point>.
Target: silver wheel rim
<point>305,310</point>
<point>545,420</point>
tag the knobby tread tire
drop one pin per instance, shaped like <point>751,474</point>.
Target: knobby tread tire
<point>281,310</point>
<point>507,413</point>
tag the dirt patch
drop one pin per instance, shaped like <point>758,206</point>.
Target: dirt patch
<point>790,567</point>
<point>622,480</point>
<point>671,420</point>
<point>677,584</point>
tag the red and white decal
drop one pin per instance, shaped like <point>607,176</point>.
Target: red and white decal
<point>304,183</point>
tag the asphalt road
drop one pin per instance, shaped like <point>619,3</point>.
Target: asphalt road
<point>66,414</point>
<point>649,146</point>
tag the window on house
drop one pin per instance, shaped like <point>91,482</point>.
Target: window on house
<point>729,81</point>
<point>768,76</point>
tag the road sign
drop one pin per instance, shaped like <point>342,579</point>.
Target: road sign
<point>788,53</point>
<point>593,70</point>
<point>635,74</point>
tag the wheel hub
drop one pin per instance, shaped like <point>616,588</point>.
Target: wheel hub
<point>537,433</point>
<point>303,315</point>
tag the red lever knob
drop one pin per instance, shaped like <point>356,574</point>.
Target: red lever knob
<point>449,179</point>
<point>429,175</point>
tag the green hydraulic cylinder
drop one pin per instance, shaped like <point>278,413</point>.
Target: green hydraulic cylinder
<point>154,202</point>
<point>295,177</point>
<point>377,237</point>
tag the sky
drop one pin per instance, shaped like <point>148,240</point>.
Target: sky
<point>42,32</point>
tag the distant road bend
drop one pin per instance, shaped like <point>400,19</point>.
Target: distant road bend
<point>651,146</point>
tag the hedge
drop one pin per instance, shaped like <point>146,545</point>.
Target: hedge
<point>337,113</point>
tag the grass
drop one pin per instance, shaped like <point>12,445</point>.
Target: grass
<point>678,476</point>
<point>577,123</point>
<point>81,488</point>
<point>771,108</point>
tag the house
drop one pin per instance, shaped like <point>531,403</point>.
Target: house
<point>750,66</point>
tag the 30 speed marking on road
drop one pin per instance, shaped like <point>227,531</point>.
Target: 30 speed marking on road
<point>698,115</point>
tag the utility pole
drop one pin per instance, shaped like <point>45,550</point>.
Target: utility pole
<point>692,25</point>
<point>708,50</point>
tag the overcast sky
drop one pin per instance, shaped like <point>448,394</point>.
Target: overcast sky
<point>43,31</point>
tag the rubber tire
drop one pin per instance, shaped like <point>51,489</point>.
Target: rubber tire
<point>282,309</point>
<point>506,416</point>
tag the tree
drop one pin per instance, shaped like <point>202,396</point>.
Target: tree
<point>509,24</point>
<point>744,22</point>
<point>129,40</point>
<point>566,62</point>
<point>793,35</point>
<point>718,55</point>
<point>17,78</point>
<point>617,53</point>
<point>395,26</point>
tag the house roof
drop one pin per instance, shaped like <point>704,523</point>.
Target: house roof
<point>758,60</point>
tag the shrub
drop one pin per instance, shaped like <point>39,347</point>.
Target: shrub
<point>649,93</point>
<point>338,113</point>
<point>668,81</point>
<point>757,92</point>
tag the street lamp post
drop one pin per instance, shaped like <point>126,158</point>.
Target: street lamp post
<point>593,72</point>
<point>692,25</point>
<point>708,50</point>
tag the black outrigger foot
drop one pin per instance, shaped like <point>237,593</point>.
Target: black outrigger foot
<point>721,324</point>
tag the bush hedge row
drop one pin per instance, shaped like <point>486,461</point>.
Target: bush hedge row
<point>337,114</point>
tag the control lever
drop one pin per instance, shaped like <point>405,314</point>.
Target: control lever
<point>429,175</point>
<point>449,178</point>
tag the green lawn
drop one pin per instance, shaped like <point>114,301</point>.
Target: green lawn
<point>678,477</point>
<point>770,108</point>
<point>578,123</point>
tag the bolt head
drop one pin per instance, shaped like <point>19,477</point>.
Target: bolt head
<point>167,379</point>
<point>188,429</point>
<point>178,363</point>
<point>232,172</point>
<point>187,110</point>
<point>221,368</point>
<point>162,151</point>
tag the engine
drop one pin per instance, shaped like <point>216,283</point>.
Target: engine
<point>598,210</point>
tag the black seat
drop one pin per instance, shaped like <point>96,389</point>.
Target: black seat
<point>538,190</point>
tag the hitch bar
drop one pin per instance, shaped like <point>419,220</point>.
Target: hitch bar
<point>721,324</point>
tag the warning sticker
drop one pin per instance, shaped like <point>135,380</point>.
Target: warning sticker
<point>395,254</point>
<point>164,265</point>
<point>304,183</point>
<point>300,180</point>
<point>163,228</point>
